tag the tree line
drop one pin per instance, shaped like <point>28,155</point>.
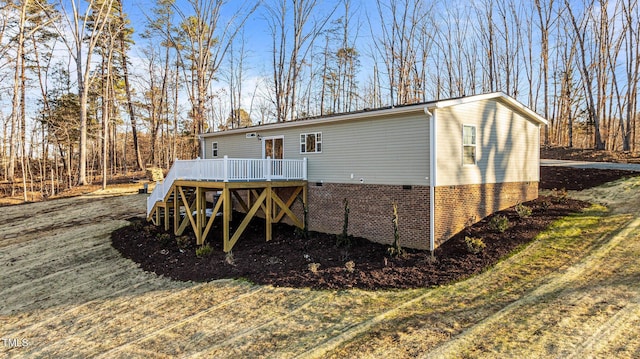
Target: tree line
<point>87,96</point>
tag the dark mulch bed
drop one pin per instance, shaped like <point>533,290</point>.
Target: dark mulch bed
<point>286,260</point>
<point>577,179</point>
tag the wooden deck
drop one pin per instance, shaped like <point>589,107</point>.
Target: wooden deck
<point>180,200</point>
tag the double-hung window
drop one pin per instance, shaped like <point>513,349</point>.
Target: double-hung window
<point>311,142</point>
<point>214,149</point>
<point>469,147</point>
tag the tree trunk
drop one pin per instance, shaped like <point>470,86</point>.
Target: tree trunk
<point>127,86</point>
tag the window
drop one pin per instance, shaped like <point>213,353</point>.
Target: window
<point>469,145</point>
<point>311,142</point>
<point>214,149</point>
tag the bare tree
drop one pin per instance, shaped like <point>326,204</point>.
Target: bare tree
<point>234,78</point>
<point>290,54</point>
<point>123,38</point>
<point>204,42</point>
<point>631,41</point>
<point>340,65</point>
<point>544,11</point>
<point>397,45</point>
<point>584,67</point>
<point>81,43</point>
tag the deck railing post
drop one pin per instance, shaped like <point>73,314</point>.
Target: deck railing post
<point>226,168</point>
<point>199,168</point>
<point>268,169</point>
<point>304,168</point>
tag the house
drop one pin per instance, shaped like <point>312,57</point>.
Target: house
<point>447,164</point>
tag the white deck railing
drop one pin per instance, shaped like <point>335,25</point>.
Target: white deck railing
<point>226,170</point>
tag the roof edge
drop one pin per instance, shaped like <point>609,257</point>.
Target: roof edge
<point>393,110</point>
<point>493,95</point>
<point>334,118</point>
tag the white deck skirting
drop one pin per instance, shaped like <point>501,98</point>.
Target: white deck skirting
<point>228,170</point>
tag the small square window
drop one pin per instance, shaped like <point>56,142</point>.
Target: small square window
<point>214,149</point>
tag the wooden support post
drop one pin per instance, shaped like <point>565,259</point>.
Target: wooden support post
<point>157,221</point>
<point>305,208</point>
<point>166,216</point>
<point>197,229</point>
<point>176,211</point>
<point>269,212</point>
<point>203,206</point>
<point>226,218</point>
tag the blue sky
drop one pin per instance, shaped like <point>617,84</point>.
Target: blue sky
<point>258,40</point>
<point>256,31</point>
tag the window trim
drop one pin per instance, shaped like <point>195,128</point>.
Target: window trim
<point>214,149</point>
<point>474,145</point>
<point>270,138</point>
<point>303,142</point>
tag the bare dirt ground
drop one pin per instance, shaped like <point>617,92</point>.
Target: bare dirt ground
<point>66,292</point>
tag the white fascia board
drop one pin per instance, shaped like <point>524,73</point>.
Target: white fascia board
<point>493,95</point>
<point>467,99</point>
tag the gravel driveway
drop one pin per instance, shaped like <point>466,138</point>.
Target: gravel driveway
<point>597,165</point>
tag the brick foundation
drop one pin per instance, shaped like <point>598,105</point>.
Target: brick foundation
<point>371,211</point>
<point>371,208</point>
<point>460,206</point>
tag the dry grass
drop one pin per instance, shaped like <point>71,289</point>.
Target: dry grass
<point>574,291</point>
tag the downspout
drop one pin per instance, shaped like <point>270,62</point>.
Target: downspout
<point>432,176</point>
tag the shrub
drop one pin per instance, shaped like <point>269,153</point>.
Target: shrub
<point>545,204</point>
<point>137,226</point>
<point>523,211</point>
<point>229,259</point>
<point>204,250</point>
<point>499,223</point>
<point>395,250</point>
<point>350,266</point>
<point>183,241</point>
<point>343,238</point>
<point>313,267</point>
<point>474,245</point>
<point>164,238</point>
<point>559,195</point>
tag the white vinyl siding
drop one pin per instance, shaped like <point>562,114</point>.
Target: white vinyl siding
<point>507,144</point>
<point>389,150</point>
<point>394,149</point>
